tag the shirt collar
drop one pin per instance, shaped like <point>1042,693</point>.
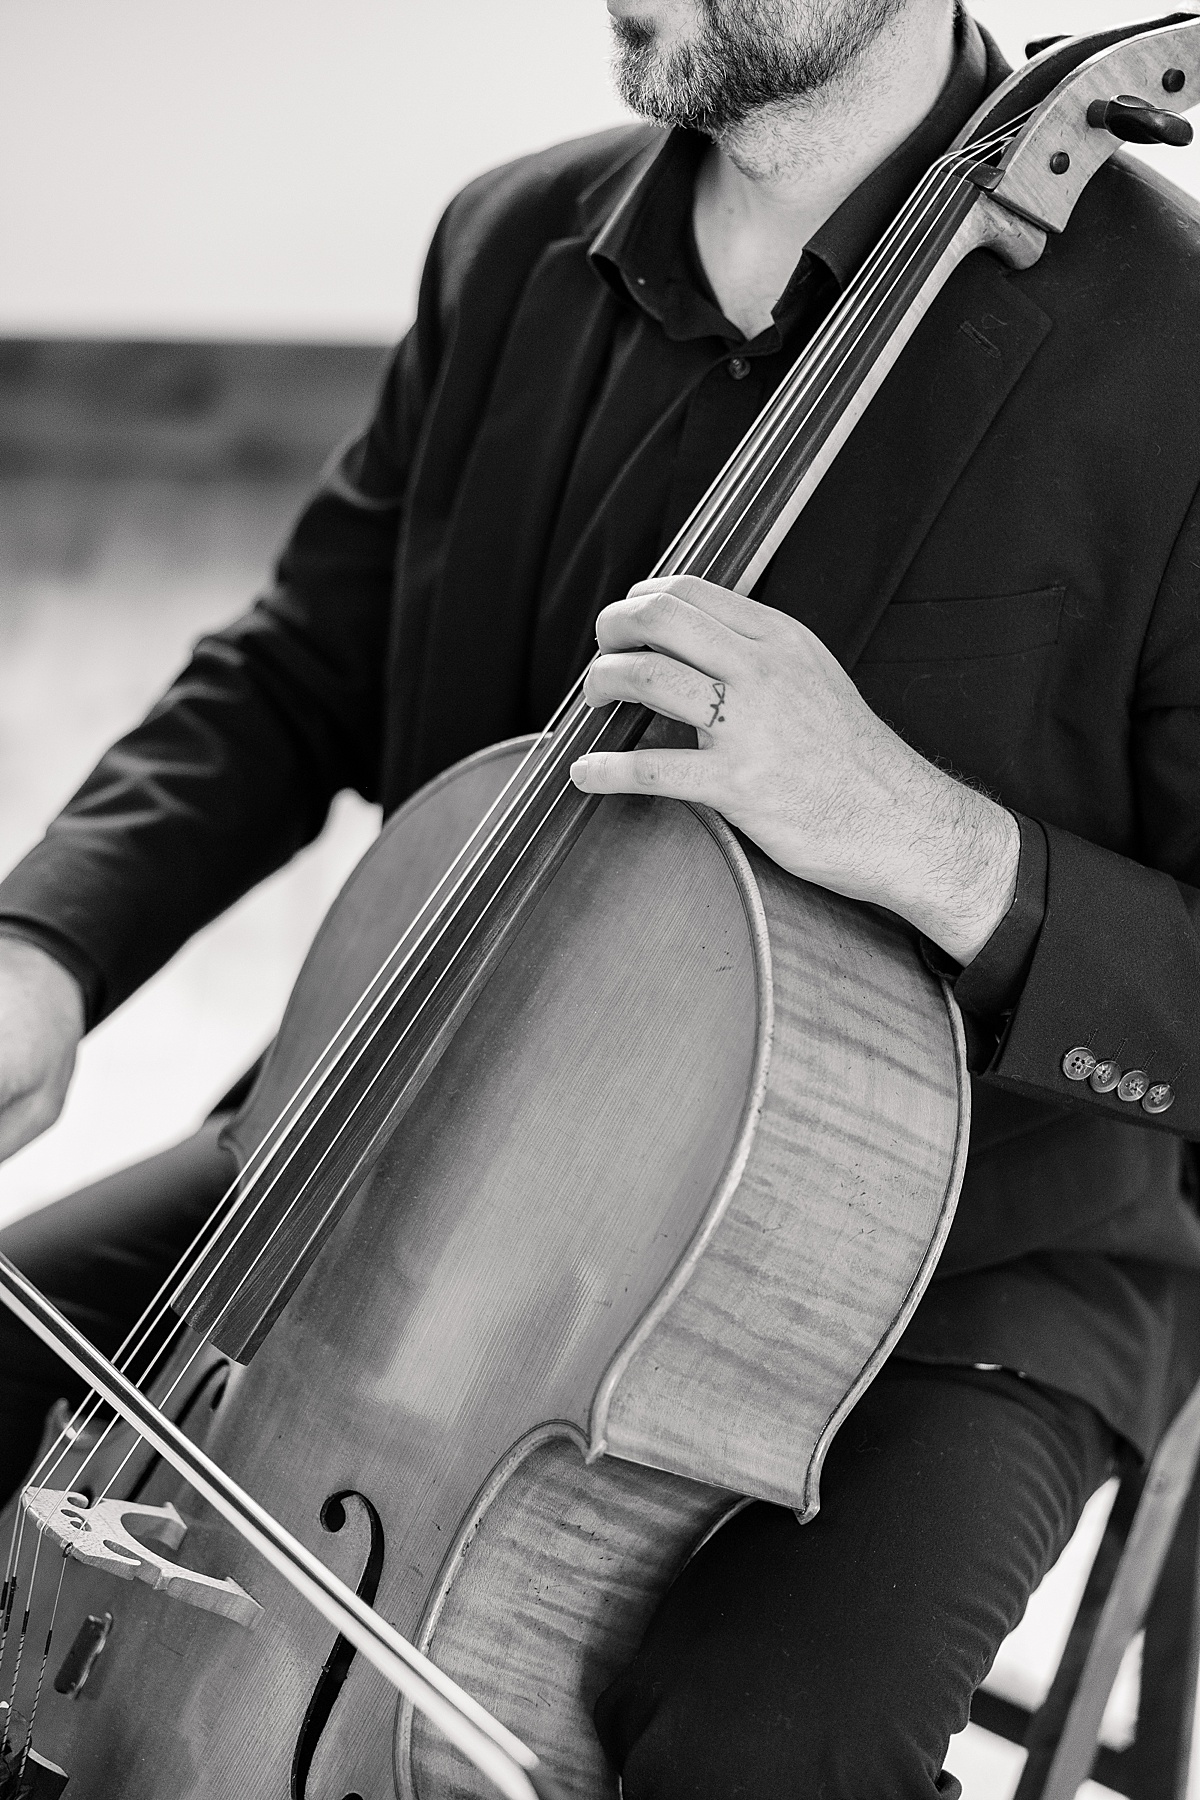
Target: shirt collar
<point>645,249</point>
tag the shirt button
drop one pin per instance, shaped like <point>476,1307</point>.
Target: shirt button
<point>1078,1063</point>
<point>1105,1076</point>
<point>1159,1099</point>
<point>1132,1085</point>
<point>739,367</point>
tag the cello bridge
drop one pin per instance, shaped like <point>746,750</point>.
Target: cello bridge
<point>99,1536</point>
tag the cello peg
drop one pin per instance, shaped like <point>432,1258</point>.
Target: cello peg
<point>1137,122</point>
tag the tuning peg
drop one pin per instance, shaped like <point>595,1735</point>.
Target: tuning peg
<point>1137,122</point>
<point>1035,46</point>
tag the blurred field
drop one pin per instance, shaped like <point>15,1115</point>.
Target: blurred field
<point>104,584</point>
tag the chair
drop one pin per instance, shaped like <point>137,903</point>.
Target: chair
<point>1146,1573</point>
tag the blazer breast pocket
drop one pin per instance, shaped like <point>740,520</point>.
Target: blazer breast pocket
<point>963,630</point>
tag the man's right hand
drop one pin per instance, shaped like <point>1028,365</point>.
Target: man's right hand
<point>41,1024</point>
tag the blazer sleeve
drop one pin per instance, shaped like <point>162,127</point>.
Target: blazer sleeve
<point>234,768</point>
<point>1115,970</point>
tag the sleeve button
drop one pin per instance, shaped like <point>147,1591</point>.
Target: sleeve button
<point>1078,1063</point>
<point>1159,1099</point>
<point>1105,1076</point>
<point>1132,1085</point>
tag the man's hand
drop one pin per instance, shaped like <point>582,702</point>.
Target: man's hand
<point>791,754</point>
<point>41,1024</point>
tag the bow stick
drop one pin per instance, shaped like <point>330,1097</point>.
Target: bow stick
<point>495,1751</point>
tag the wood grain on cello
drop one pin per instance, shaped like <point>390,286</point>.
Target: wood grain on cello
<point>538,1260</point>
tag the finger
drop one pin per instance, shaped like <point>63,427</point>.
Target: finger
<point>672,774</point>
<point>749,618</point>
<point>650,679</point>
<point>660,620</point>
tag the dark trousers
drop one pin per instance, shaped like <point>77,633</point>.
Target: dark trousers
<point>830,1661</point>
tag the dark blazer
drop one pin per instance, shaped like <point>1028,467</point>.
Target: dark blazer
<point>1018,593</point>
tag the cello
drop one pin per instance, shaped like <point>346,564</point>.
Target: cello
<point>596,1169</point>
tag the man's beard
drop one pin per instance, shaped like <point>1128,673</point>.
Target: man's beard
<point>747,54</point>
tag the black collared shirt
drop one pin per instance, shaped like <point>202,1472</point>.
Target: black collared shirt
<point>680,384</point>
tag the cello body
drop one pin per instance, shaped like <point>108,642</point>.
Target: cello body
<point>651,1225</point>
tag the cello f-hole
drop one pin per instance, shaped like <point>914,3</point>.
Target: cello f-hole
<point>337,1664</point>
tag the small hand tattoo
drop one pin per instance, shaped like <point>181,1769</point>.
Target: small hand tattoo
<point>718,717</point>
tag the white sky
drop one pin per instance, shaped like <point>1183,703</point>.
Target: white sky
<point>272,168</point>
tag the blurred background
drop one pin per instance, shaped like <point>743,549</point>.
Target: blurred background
<point>212,219</point>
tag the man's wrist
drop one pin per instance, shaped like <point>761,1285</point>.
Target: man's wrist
<point>41,972</point>
<point>963,862</point>
<point>64,951</point>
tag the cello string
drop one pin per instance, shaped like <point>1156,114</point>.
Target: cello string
<point>974,157</point>
<point>313,1173</point>
<point>302,1190</point>
<point>469,1725</point>
<point>10,1584</point>
<point>132,1343</point>
<point>389,994</point>
<point>970,159</point>
<point>762,451</point>
<point>408,1027</point>
<point>21,1638</point>
<point>41,1677</point>
<point>43,1474</point>
<point>950,164</point>
<point>768,467</point>
<point>181,1327</point>
<point>792,396</point>
<point>965,159</point>
<point>837,329</point>
<point>567,699</point>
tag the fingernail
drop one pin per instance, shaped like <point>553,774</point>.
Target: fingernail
<point>579,770</point>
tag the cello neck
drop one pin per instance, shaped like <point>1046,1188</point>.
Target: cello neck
<point>740,523</point>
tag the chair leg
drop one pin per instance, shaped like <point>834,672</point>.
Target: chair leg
<point>1046,1727</point>
<point>1154,1530</point>
<point>1155,1767</point>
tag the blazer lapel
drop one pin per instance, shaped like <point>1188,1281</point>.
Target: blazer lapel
<point>477,650</point>
<point>851,547</point>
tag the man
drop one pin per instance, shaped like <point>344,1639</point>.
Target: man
<point>1007,556</point>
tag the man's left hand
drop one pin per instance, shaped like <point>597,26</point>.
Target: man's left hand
<point>790,753</point>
